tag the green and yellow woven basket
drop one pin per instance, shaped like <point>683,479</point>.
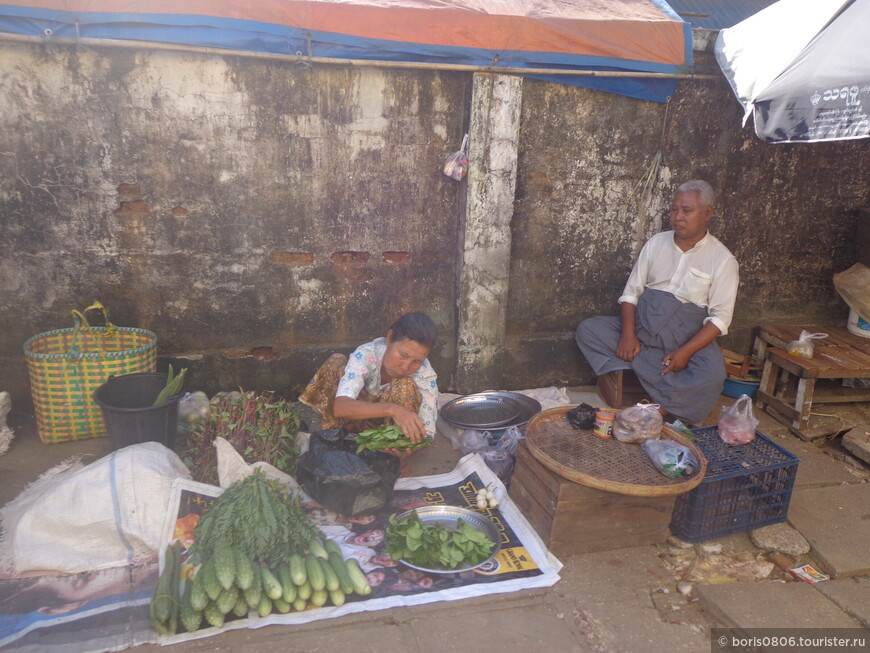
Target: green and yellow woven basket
<point>66,366</point>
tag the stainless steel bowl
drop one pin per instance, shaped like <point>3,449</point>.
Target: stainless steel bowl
<point>448,517</point>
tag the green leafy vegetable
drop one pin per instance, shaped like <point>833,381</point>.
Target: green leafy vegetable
<point>433,546</point>
<point>258,516</point>
<point>260,425</point>
<point>388,436</point>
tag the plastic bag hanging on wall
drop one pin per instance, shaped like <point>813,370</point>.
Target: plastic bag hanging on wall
<point>456,165</point>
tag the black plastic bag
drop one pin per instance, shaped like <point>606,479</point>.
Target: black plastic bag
<point>582,416</point>
<point>342,481</point>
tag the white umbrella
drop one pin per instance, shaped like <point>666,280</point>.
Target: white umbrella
<point>802,67</point>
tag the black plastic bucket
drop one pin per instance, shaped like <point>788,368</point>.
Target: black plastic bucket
<point>128,410</point>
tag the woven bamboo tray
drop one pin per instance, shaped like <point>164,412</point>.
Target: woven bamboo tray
<point>604,463</point>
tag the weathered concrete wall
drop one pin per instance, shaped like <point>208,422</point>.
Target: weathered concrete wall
<point>231,205</point>
<point>258,215</point>
<point>484,277</point>
<point>788,212</point>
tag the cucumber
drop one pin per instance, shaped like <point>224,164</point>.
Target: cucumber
<point>297,569</point>
<point>304,591</point>
<point>265,607</point>
<point>176,589</point>
<point>190,617</point>
<point>337,597</point>
<point>271,585</point>
<point>316,577</point>
<point>332,547</point>
<point>315,546</point>
<point>281,605</point>
<point>299,604</point>
<point>255,591</point>
<point>164,592</point>
<point>244,569</point>
<point>340,569</point>
<point>357,577</point>
<point>286,582</point>
<point>213,616</point>
<point>330,577</point>
<point>227,600</point>
<point>224,563</point>
<point>319,598</point>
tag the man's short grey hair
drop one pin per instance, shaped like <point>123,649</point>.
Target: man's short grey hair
<point>705,191</point>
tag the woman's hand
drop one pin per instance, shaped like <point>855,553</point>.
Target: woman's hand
<point>409,422</point>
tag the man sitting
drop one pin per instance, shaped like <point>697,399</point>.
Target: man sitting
<point>678,299</point>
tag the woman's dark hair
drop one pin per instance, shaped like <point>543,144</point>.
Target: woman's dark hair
<point>418,327</point>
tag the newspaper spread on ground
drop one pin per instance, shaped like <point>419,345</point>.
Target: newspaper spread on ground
<point>113,615</point>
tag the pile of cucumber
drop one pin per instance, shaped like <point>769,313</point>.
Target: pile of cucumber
<point>230,583</point>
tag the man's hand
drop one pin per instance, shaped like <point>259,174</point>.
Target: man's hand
<point>628,347</point>
<point>679,358</point>
<point>675,361</point>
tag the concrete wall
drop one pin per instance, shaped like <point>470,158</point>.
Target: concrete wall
<point>258,215</point>
<point>789,213</point>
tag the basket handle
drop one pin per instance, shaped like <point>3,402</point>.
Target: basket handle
<point>81,323</point>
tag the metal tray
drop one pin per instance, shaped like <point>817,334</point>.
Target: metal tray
<point>448,517</point>
<point>489,410</point>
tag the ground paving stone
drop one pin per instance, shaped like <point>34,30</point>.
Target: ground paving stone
<point>852,595</point>
<point>612,594</point>
<point>857,442</point>
<point>835,522</point>
<point>496,631</point>
<point>772,605</point>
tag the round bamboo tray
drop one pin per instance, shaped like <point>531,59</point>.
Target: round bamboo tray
<point>604,463</point>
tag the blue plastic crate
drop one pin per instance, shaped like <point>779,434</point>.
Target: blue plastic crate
<point>746,487</point>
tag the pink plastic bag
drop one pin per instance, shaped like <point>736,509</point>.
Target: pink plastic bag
<point>737,423</point>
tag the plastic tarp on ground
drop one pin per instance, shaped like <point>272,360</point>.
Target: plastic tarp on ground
<point>802,68</point>
<point>643,36</point>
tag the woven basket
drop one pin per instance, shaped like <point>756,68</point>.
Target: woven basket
<point>604,463</point>
<point>66,366</point>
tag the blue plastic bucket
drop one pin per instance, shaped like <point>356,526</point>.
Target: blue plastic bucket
<point>735,388</point>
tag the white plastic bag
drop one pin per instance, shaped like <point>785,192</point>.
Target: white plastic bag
<point>638,423</point>
<point>193,411</point>
<point>803,346</point>
<point>737,423</point>
<point>672,459</point>
<point>456,165</point>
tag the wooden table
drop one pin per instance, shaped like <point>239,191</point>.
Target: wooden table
<point>788,383</point>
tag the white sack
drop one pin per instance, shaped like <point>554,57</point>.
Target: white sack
<point>81,518</point>
<point>5,430</point>
<point>231,467</point>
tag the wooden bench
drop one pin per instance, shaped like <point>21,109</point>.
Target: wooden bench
<point>621,389</point>
<point>788,383</point>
